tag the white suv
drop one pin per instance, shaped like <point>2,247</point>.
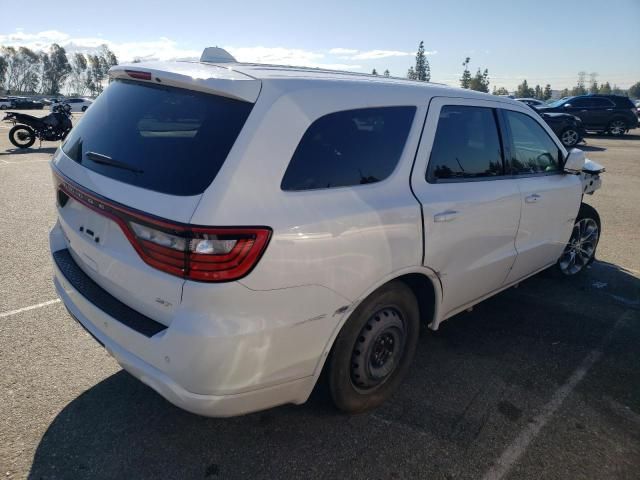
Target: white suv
<point>227,231</point>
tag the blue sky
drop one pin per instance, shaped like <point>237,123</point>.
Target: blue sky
<point>543,41</point>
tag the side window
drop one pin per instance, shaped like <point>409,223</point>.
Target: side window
<point>351,147</point>
<point>466,145</point>
<point>533,149</point>
<point>580,102</point>
<point>602,103</point>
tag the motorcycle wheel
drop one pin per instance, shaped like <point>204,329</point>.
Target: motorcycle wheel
<point>22,136</point>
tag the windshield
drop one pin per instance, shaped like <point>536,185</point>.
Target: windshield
<point>558,103</point>
<point>165,139</point>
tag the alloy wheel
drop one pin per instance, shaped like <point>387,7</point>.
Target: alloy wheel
<point>617,127</point>
<point>569,138</point>
<point>581,247</point>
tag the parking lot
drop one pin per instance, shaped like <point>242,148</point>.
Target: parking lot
<point>541,381</point>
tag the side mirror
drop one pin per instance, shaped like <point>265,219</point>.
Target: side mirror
<point>567,105</point>
<point>574,161</point>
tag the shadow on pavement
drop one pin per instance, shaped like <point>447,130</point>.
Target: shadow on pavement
<point>475,384</point>
<point>21,151</point>
<point>591,148</point>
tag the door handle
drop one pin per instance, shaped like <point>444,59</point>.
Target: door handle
<point>532,198</point>
<point>446,216</point>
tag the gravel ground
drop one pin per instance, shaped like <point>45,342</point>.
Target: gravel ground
<point>542,381</point>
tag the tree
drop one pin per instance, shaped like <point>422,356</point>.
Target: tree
<point>547,93</point>
<point>480,82</point>
<point>605,88</point>
<point>617,90</point>
<point>524,91</point>
<point>97,68</point>
<point>374,72</point>
<point>411,74</point>
<point>423,70</point>
<point>22,67</point>
<point>465,80</point>
<point>500,91</point>
<point>564,93</point>
<point>78,74</point>
<point>537,92</point>
<point>386,73</point>
<point>55,70</point>
<point>3,69</point>
<point>580,89</point>
<point>634,90</point>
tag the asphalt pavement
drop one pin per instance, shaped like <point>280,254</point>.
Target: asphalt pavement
<point>539,382</point>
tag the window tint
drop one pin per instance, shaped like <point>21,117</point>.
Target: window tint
<point>533,149</point>
<point>601,102</point>
<point>178,138</point>
<point>580,102</point>
<point>349,148</point>
<point>466,145</point>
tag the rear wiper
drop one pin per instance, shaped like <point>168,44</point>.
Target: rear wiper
<point>105,160</point>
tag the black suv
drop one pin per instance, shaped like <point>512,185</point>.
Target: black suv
<point>600,113</point>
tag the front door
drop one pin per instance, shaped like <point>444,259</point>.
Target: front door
<point>550,198</point>
<point>470,206</point>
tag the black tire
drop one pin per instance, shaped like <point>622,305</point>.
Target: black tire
<point>569,137</point>
<point>3,107</point>
<point>22,136</point>
<point>84,109</point>
<point>583,230</point>
<point>618,127</point>
<point>374,349</point>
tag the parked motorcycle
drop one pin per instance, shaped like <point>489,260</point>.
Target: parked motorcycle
<point>28,128</point>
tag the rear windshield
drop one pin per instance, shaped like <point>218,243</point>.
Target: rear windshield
<point>160,138</point>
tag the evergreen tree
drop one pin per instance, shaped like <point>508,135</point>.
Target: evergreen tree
<point>564,93</point>
<point>524,91</point>
<point>580,89</point>
<point>422,69</point>
<point>480,82</point>
<point>546,95</point>
<point>411,74</point>
<point>537,92</point>
<point>465,80</point>
<point>605,88</point>
<point>594,88</point>
<point>634,90</point>
<point>500,91</point>
<point>386,73</point>
<point>56,69</point>
<point>374,72</point>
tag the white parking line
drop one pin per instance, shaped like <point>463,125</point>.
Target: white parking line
<point>518,447</point>
<point>30,307</point>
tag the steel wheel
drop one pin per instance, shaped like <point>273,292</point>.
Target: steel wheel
<point>569,137</point>
<point>581,248</point>
<point>618,127</point>
<point>378,349</point>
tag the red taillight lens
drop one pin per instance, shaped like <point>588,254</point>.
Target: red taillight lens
<point>139,74</point>
<point>207,254</point>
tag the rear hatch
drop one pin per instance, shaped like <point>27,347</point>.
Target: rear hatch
<point>130,175</point>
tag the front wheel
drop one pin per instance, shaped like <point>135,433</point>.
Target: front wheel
<point>581,249</point>
<point>374,349</point>
<point>570,137</point>
<point>22,136</point>
<point>84,109</point>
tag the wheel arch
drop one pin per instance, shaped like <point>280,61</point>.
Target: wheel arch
<point>425,285</point>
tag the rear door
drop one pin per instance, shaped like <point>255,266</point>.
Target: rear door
<point>550,198</point>
<point>471,208</point>
<point>146,147</point>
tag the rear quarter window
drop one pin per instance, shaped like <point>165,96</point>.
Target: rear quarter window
<point>352,147</point>
<point>174,140</point>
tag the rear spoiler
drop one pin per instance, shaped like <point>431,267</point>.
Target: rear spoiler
<point>207,78</point>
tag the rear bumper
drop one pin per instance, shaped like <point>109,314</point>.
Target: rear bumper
<point>248,357</point>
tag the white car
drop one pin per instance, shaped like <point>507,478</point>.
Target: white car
<point>5,103</point>
<point>227,230</point>
<point>76,104</point>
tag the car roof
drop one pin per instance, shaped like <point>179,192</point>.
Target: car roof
<point>282,73</point>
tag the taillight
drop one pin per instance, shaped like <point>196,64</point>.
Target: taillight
<point>208,254</point>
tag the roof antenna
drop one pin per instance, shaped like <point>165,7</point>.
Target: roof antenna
<point>216,55</point>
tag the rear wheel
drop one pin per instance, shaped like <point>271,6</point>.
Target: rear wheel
<point>581,249</point>
<point>374,349</point>
<point>84,109</point>
<point>617,127</point>
<point>22,136</point>
<point>569,137</point>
